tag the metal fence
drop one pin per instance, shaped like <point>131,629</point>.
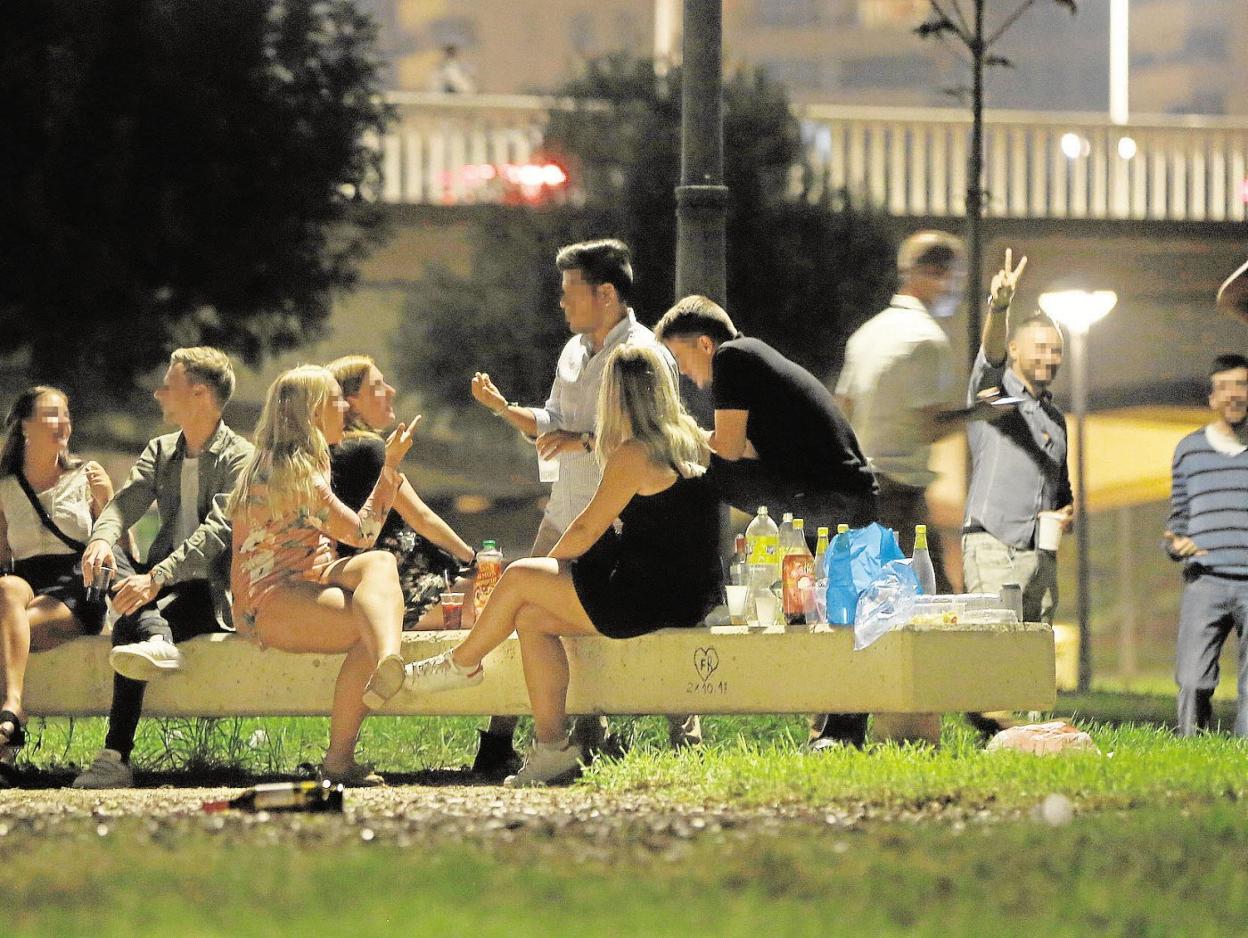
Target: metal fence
<point>457,149</point>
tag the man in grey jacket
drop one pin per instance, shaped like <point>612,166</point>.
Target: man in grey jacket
<point>183,591</point>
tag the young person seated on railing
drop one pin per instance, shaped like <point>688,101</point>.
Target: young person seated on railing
<point>661,570</point>
<point>291,591</point>
<point>429,552</point>
<point>48,499</point>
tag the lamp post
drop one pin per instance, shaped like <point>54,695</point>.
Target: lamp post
<point>1077,310</point>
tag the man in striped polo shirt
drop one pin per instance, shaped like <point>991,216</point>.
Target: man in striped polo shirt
<point>1208,532</point>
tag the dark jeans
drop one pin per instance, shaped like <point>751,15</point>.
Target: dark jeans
<point>748,483</point>
<point>180,612</point>
<point>901,508</point>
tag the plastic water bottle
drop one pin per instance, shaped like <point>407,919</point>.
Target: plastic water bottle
<point>842,596</point>
<point>821,550</point>
<point>762,540</point>
<point>921,562</point>
<point>489,572</point>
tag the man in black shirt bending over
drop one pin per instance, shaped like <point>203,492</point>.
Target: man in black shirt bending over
<point>779,439</point>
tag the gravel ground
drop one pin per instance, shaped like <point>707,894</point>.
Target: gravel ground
<point>597,823</point>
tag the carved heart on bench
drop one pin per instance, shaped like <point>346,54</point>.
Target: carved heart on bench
<point>705,660</point>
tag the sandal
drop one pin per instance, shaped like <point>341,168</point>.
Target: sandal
<point>356,775</point>
<point>387,680</point>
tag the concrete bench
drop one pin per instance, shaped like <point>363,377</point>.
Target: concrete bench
<point>704,670</point>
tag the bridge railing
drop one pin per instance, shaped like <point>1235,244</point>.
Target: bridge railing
<point>456,149</point>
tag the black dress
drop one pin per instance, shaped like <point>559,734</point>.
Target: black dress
<point>662,570</point>
<point>355,465</point>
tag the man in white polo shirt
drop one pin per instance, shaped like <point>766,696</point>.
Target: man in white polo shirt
<point>596,282</point>
<point>898,386</point>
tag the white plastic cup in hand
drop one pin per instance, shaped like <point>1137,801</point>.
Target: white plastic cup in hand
<point>547,470</point>
<point>1049,529</point>
<point>738,595</point>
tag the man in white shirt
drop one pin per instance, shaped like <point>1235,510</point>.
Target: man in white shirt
<point>597,278</point>
<point>898,386</point>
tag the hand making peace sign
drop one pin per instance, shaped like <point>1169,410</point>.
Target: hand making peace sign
<point>1005,280</point>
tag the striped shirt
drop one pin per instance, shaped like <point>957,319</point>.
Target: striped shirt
<point>1209,504</point>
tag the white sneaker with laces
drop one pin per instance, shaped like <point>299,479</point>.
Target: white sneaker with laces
<point>145,660</point>
<point>548,764</point>
<point>439,673</point>
<point>107,771</point>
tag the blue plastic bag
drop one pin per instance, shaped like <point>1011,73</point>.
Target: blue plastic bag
<point>852,563</point>
<point>887,603</point>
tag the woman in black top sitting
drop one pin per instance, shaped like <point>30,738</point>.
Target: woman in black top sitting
<point>48,501</point>
<point>661,570</point>
<point>429,552</point>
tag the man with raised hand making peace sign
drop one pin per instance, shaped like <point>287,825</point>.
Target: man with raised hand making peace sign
<point>1018,461</point>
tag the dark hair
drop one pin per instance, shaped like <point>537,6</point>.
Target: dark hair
<point>605,261</point>
<point>695,316</point>
<point>13,453</point>
<point>1226,362</point>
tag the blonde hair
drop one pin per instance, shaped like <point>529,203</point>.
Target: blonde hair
<point>207,366</point>
<point>350,371</point>
<point>291,454</point>
<point>638,400</point>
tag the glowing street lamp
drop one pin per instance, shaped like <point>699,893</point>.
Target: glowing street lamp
<point>1078,310</point>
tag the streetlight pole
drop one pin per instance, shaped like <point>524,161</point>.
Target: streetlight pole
<point>1077,310</point>
<point>702,197</point>
<point>1083,604</point>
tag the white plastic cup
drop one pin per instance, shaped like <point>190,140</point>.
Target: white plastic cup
<point>547,470</point>
<point>1049,530</point>
<point>767,606</point>
<point>738,595</point>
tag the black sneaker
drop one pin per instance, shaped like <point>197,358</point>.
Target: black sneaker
<point>496,757</point>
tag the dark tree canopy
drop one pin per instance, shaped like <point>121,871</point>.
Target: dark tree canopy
<point>800,275</point>
<point>178,173</point>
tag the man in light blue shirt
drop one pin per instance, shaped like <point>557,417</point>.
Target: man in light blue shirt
<point>597,280</point>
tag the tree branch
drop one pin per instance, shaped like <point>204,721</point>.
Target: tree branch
<point>963,32</point>
<point>957,9</point>
<point>1009,21</point>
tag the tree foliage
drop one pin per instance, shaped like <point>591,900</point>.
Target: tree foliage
<point>177,173</point>
<point>801,275</point>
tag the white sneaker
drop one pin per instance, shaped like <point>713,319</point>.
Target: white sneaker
<point>107,771</point>
<point>439,673</point>
<point>143,661</point>
<point>548,764</point>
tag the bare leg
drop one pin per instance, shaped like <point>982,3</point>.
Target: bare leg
<point>307,617</point>
<point>538,581</point>
<point>376,598</point>
<point>545,663</point>
<point>28,623</point>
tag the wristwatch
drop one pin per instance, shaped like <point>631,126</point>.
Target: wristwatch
<point>587,441</point>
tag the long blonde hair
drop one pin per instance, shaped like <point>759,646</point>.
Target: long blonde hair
<point>350,371</point>
<point>291,453</point>
<point>638,400</point>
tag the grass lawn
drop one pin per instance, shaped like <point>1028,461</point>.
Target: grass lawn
<point>891,840</point>
<point>1147,872</point>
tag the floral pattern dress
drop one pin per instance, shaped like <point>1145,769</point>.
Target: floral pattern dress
<point>271,549</point>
